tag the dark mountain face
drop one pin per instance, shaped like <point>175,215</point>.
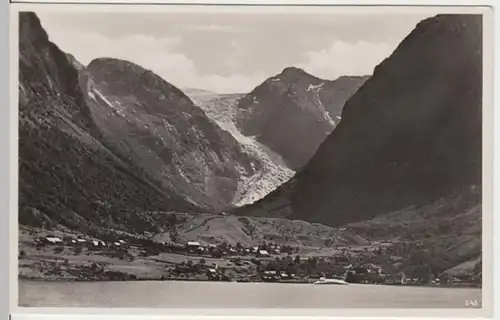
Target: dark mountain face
<point>150,122</point>
<point>293,112</point>
<point>66,175</point>
<point>411,134</point>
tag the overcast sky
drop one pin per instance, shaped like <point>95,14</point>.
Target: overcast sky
<point>232,53</point>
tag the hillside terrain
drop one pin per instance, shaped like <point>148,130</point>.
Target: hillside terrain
<point>444,236</point>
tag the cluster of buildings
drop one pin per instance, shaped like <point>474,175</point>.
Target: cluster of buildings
<point>223,249</point>
<point>79,241</point>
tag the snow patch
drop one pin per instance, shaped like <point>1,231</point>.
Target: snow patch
<point>314,88</point>
<point>117,107</point>
<point>317,100</point>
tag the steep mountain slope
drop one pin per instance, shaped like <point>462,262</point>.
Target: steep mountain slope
<point>66,175</point>
<point>150,122</point>
<point>272,171</point>
<point>409,136</point>
<point>293,112</point>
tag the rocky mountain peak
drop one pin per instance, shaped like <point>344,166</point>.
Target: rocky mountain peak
<point>293,112</point>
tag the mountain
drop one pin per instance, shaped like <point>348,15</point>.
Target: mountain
<point>272,170</point>
<point>150,122</point>
<point>66,174</point>
<point>409,136</point>
<point>293,112</point>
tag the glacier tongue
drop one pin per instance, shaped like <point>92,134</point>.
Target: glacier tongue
<point>273,172</point>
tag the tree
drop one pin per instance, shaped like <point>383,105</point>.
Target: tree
<point>174,235</point>
<point>202,261</point>
<point>172,219</point>
<point>297,259</point>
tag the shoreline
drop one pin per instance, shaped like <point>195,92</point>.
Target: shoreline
<point>63,280</point>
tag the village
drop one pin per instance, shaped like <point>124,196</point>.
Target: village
<point>131,258</point>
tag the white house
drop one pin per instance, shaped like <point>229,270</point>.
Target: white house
<point>263,253</point>
<point>54,240</point>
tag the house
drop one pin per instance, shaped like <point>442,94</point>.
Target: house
<point>193,246</point>
<point>263,253</point>
<point>270,276</point>
<point>98,243</point>
<point>53,240</point>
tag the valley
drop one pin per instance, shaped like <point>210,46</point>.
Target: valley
<point>124,176</point>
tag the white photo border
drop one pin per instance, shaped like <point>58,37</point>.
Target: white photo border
<point>9,159</point>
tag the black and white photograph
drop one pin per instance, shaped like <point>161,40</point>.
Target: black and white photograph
<point>243,158</point>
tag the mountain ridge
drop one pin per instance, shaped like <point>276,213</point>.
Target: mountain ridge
<point>292,112</point>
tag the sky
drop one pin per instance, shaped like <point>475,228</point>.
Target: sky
<point>231,53</point>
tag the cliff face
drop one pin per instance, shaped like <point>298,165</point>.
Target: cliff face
<point>66,174</point>
<point>293,112</point>
<point>410,135</point>
<point>150,122</point>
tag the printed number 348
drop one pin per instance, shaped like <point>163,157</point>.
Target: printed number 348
<point>471,303</point>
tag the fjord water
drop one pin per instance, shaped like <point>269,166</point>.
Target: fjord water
<point>178,294</point>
